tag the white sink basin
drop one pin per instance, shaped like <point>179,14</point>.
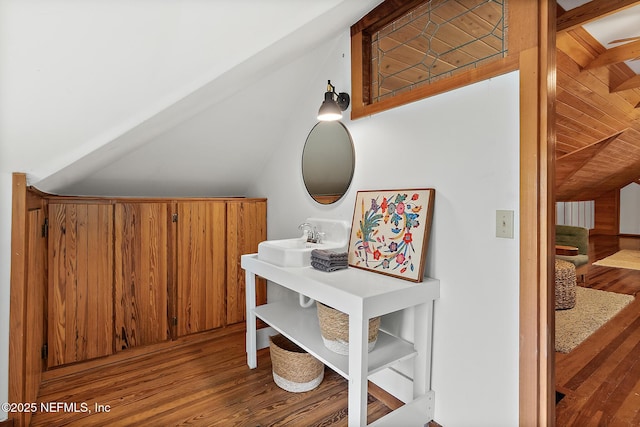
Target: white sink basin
<point>290,252</point>
<point>296,252</point>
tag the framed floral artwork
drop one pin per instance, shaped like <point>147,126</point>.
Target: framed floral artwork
<point>390,231</point>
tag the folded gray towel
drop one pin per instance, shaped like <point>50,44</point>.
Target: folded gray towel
<point>329,255</point>
<point>328,269</point>
<point>326,263</point>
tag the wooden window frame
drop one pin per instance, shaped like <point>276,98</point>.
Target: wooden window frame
<point>361,34</point>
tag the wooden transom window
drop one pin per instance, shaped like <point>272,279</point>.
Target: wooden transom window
<point>435,40</point>
<point>406,45</point>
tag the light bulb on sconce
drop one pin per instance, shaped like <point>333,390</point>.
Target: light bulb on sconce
<point>333,105</point>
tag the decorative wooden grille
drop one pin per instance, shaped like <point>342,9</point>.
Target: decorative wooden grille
<point>435,40</point>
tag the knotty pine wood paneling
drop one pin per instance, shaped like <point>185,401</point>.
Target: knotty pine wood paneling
<point>246,227</point>
<point>201,255</point>
<point>141,273</point>
<point>80,289</point>
<point>607,214</point>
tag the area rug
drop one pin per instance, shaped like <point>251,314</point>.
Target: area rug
<point>593,309</point>
<point>625,258</point>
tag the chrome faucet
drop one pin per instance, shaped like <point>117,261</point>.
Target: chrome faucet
<point>311,231</point>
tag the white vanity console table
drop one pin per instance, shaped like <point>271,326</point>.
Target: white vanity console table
<point>362,295</point>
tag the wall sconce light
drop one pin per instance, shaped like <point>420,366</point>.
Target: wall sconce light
<point>333,105</point>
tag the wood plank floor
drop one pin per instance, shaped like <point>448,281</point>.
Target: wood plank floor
<point>201,383</point>
<point>601,377</point>
<point>207,382</point>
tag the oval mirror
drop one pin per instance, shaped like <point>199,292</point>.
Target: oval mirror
<point>328,161</point>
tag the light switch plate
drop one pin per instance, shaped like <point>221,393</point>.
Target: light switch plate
<point>504,224</point>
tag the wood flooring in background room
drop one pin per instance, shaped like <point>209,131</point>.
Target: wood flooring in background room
<point>601,377</point>
<point>205,382</point>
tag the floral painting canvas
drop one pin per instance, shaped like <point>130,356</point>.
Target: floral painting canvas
<point>390,231</point>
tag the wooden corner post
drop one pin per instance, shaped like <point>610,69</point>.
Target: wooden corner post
<point>537,212</point>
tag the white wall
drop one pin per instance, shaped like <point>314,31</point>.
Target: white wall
<point>83,84</point>
<point>630,209</point>
<point>465,144</point>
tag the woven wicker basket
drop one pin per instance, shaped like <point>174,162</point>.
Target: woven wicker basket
<point>565,285</point>
<point>334,328</point>
<point>294,369</point>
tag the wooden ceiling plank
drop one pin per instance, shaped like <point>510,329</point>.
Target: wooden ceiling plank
<point>578,128</point>
<point>591,11</point>
<point>594,102</point>
<point>622,178</point>
<point>616,55</point>
<point>569,164</point>
<point>606,126</point>
<point>590,87</point>
<point>568,140</point>
<point>585,89</point>
<point>592,111</point>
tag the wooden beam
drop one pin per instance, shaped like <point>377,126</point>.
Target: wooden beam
<point>594,148</point>
<point>18,299</point>
<point>537,217</point>
<point>632,83</point>
<point>591,11</point>
<point>616,55</point>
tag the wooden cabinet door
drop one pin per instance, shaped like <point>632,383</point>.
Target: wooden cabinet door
<point>80,289</point>
<point>246,227</point>
<point>142,268</point>
<point>201,235</point>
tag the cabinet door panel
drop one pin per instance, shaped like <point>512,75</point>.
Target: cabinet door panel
<point>201,266</point>
<point>36,333</point>
<point>80,290</point>
<point>141,273</point>
<point>246,227</point>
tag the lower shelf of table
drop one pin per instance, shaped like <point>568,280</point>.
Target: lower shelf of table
<point>301,326</point>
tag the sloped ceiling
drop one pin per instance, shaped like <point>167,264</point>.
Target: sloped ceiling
<point>598,98</point>
<point>189,97</point>
<point>157,98</point>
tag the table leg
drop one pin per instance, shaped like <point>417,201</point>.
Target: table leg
<point>250,294</point>
<point>358,368</point>
<point>423,343</point>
